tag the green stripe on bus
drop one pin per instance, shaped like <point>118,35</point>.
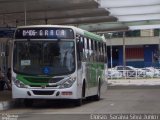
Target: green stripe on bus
<point>28,80</point>
<point>93,36</point>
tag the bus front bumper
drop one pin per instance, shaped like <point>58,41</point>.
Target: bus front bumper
<point>28,93</point>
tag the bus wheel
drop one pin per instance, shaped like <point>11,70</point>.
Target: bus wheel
<point>79,102</point>
<point>28,102</point>
<point>98,96</point>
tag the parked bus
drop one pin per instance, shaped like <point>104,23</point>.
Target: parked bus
<point>57,62</point>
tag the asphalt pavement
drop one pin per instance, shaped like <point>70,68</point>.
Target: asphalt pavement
<point>6,101</point>
<point>115,104</point>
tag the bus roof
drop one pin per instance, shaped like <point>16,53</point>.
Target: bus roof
<point>77,30</point>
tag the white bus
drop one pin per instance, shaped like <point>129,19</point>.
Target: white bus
<point>57,62</point>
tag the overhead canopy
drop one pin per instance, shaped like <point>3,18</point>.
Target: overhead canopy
<point>92,15</point>
<point>136,14</point>
<point>27,12</point>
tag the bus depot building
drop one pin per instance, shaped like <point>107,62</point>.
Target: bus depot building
<point>141,48</point>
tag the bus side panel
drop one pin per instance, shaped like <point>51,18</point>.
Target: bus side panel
<point>92,78</point>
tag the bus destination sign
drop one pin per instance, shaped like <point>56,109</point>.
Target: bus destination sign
<point>44,33</point>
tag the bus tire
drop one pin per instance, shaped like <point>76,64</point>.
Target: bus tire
<point>79,102</point>
<point>28,102</point>
<point>98,96</point>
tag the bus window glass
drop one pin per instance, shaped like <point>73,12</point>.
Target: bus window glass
<point>44,58</point>
<point>86,48</point>
<point>90,50</point>
<point>96,51</point>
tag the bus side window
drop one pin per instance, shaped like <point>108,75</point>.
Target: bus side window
<point>85,50</point>
<point>99,52</point>
<point>102,52</point>
<point>96,52</point>
<point>88,52</point>
<point>79,51</point>
<point>106,54</point>
<point>89,49</point>
<point>93,50</point>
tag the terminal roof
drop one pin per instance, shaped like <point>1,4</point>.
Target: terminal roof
<point>91,15</point>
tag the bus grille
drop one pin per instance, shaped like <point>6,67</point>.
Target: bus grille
<point>47,86</point>
<point>43,80</point>
<point>38,92</point>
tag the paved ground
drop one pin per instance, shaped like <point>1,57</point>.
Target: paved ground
<point>115,101</point>
<point>5,95</point>
<point>6,100</point>
<point>134,82</point>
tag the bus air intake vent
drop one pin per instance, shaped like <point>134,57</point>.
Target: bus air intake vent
<point>38,92</point>
<point>43,80</point>
<point>47,86</point>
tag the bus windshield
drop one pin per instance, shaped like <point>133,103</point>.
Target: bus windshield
<point>44,57</point>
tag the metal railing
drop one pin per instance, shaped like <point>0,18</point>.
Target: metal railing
<point>130,74</point>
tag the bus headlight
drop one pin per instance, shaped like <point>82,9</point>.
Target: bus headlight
<point>19,83</point>
<point>68,83</point>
